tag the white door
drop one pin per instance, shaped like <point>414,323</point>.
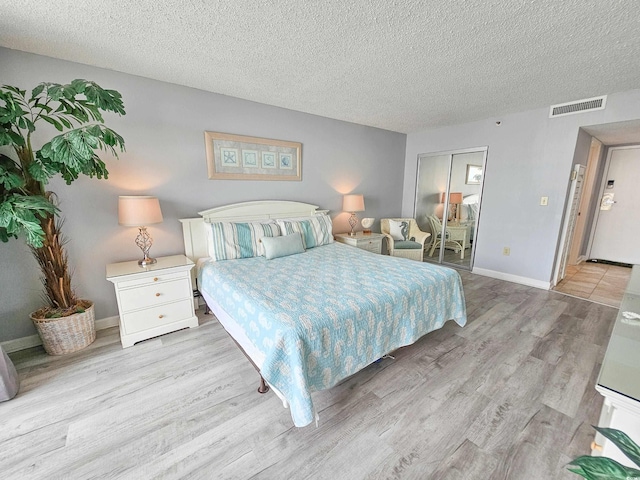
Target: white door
<point>577,180</point>
<point>617,231</point>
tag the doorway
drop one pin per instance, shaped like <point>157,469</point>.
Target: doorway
<point>617,229</point>
<point>587,275</point>
<point>447,204</point>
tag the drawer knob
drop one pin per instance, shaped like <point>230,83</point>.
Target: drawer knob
<point>160,316</point>
<point>155,279</point>
<point>595,446</point>
<point>157,294</point>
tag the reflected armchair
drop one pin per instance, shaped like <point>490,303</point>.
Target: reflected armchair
<point>408,242</point>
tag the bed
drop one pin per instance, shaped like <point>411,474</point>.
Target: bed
<point>309,320</point>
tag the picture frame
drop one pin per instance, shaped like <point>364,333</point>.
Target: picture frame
<point>239,157</point>
<point>474,175</point>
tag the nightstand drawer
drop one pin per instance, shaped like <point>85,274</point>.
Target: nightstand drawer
<point>152,295</point>
<point>152,280</point>
<point>371,242</point>
<point>157,316</point>
<point>371,245</point>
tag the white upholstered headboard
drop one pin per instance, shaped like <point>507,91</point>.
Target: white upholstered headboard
<point>193,229</point>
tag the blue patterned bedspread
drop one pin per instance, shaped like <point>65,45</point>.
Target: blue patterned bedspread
<point>325,314</point>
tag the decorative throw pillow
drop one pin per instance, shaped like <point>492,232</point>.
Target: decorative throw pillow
<point>229,240</point>
<point>275,247</point>
<point>315,231</point>
<point>399,230</point>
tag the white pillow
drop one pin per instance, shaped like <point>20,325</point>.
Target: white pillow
<point>399,231</point>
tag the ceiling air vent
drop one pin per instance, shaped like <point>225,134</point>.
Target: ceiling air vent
<point>579,106</point>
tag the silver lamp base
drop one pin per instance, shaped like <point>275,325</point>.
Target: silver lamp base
<point>144,241</point>
<point>353,220</point>
<point>147,261</point>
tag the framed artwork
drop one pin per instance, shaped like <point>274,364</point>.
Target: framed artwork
<point>474,175</point>
<point>230,157</point>
<point>236,157</point>
<point>269,160</point>
<point>250,158</point>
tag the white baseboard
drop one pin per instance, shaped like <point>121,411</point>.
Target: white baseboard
<point>530,282</point>
<point>34,340</point>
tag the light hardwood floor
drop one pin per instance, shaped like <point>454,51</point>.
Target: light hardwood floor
<point>509,396</point>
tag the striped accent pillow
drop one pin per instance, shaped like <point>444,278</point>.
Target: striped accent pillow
<point>316,230</point>
<point>229,240</point>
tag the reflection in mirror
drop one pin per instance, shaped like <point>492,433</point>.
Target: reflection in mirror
<point>448,194</point>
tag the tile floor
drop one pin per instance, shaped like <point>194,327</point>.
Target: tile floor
<point>595,281</point>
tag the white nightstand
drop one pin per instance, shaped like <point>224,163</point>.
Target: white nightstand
<point>371,242</point>
<point>155,299</point>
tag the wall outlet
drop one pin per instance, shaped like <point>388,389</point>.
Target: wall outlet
<point>544,201</point>
<point>506,251</point>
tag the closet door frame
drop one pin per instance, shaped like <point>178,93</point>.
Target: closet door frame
<point>451,154</point>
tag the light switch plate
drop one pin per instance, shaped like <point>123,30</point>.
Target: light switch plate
<point>544,201</point>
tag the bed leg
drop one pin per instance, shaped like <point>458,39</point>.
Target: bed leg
<point>263,388</point>
<point>207,310</point>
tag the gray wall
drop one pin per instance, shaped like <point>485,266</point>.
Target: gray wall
<point>530,155</point>
<point>165,156</point>
<point>581,156</point>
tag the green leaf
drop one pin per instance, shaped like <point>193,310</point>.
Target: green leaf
<point>54,91</point>
<point>42,106</point>
<point>37,91</point>
<point>10,178</point>
<point>65,122</point>
<point>9,137</point>
<point>6,116</point>
<point>4,236</point>
<point>52,121</point>
<point>623,442</point>
<point>596,468</point>
<point>19,215</point>
<point>11,111</point>
<point>30,126</point>
<point>5,138</point>
<point>42,171</point>
<point>79,85</point>
<point>17,138</point>
<point>36,203</point>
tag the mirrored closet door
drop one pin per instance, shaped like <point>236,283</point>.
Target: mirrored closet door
<point>448,198</point>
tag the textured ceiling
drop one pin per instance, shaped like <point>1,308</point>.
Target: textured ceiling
<point>401,65</point>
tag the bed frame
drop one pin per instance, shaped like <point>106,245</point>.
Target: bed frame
<point>195,236</point>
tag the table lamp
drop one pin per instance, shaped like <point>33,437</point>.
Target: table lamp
<point>353,203</point>
<point>455,199</point>
<point>140,211</point>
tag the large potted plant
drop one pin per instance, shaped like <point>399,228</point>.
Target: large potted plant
<point>28,209</point>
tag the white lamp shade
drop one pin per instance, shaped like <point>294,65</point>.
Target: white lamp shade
<point>138,211</point>
<point>353,203</point>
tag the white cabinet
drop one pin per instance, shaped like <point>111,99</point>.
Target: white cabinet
<point>621,413</point>
<point>619,380</point>
<point>154,299</point>
<point>372,242</point>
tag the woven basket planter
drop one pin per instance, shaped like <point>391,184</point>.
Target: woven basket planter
<point>67,334</point>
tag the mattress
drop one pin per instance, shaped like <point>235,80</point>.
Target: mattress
<point>315,318</point>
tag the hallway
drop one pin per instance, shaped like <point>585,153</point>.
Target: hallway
<point>598,282</point>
